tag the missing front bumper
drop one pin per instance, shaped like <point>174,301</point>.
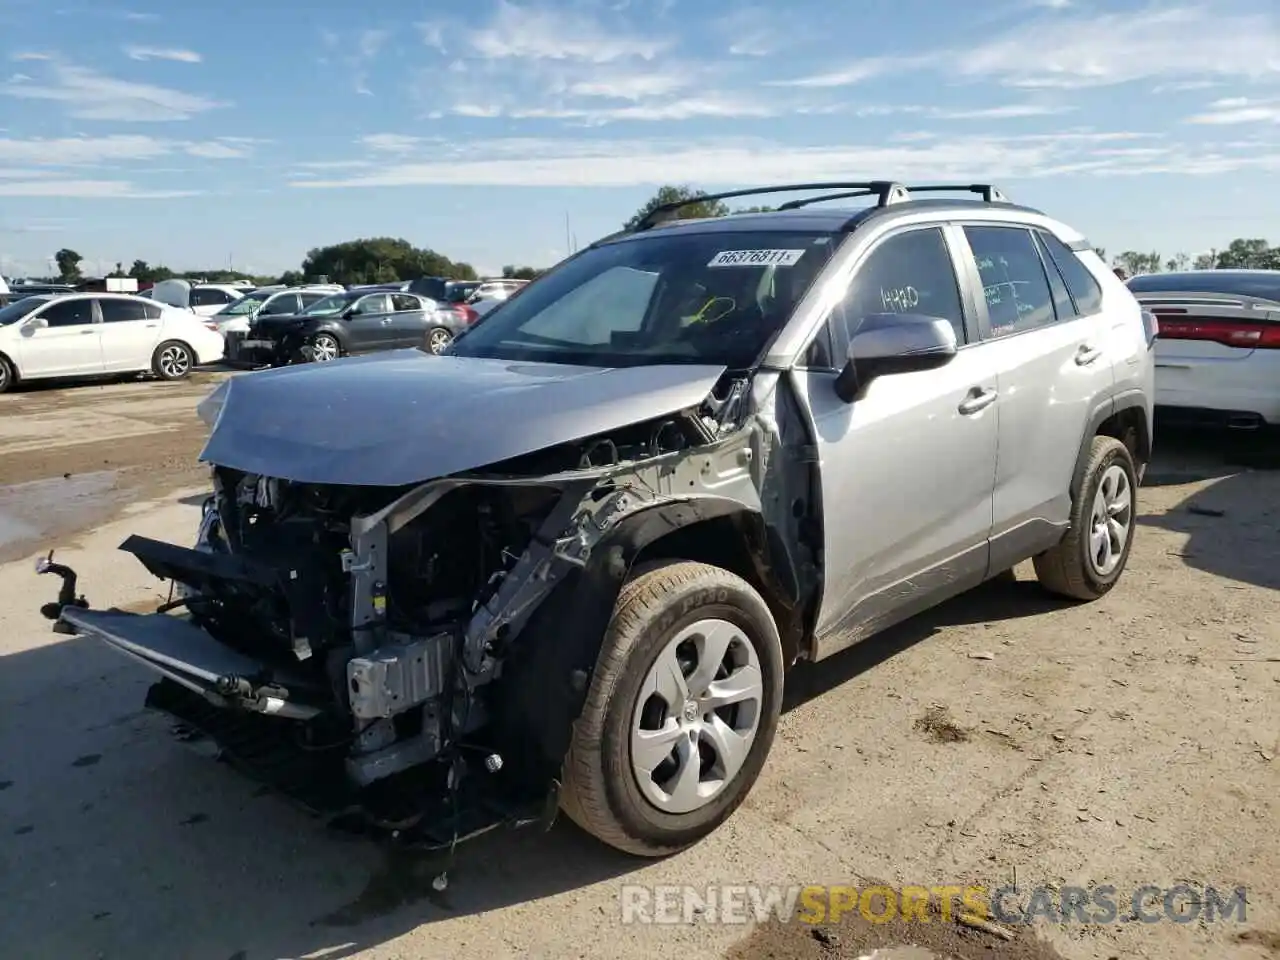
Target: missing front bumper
<point>186,655</point>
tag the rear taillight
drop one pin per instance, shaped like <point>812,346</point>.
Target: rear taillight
<point>465,313</point>
<point>1251,335</point>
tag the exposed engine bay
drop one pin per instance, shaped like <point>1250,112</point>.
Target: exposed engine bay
<point>392,651</point>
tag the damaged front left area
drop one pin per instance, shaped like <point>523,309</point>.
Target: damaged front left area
<point>354,646</point>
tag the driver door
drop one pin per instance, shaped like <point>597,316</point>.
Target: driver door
<point>908,467</point>
<point>68,343</point>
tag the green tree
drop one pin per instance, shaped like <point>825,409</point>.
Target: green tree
<point>292,278</point>
<point>68,262</point>
<point>1135,264</point>
<point>693,207</point>
<point>754,209</point>
<point>1177,263</point>
<point>144,272</point>
<point>379,260</point>
<point>1101,252</point>
<point>1207,261</point>
<point>520,273</point>
<point>1252,254</point>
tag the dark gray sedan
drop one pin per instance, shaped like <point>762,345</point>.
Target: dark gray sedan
<point>352,323</point>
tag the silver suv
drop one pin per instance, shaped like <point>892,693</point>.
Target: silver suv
<point>567,564</point>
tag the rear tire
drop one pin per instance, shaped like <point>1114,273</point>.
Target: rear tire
<point>649,776</point>
<point>1088,561</point>
<point>7,375</point>
<point>172,360</point>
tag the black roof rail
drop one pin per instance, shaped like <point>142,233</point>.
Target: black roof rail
<point>805,201</point>
<point>988,192</point>
<point>888,191</point>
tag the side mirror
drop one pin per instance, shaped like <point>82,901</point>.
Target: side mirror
<point>889,343</point>
<point>348,313</point>
<point>37,323</point>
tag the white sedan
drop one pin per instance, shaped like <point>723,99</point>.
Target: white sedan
<point>91,334</point>
<point>1218,352</point>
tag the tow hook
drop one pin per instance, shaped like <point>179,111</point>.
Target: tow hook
<point>66,594</point>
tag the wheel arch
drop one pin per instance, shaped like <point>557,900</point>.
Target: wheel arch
<point>1125,418</point>
<point>14,372</point>
<point>544,682</point>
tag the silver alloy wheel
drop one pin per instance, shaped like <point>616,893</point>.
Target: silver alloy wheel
<point>175,361</point>
<point>1110,521</point>
<point>438,339</point>
<point>697,716</point>
<point>324,348</point>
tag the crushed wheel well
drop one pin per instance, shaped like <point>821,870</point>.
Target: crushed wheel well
<point>728,542</point>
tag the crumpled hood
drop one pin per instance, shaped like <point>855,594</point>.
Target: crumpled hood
<point>278,323</point>
<point>405,416</point>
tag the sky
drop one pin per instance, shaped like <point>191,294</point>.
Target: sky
<point>507,131</point>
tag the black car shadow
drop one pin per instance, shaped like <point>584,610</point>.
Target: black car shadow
<point>1232,525</point>
<point>85,773</point>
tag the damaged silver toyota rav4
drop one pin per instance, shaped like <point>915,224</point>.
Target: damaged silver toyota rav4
<point>567,564</point>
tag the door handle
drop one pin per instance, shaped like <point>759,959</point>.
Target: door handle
<point>977,399</point>
<point>1087,354</point>
<point>386,321</point>
<point>87,333</point>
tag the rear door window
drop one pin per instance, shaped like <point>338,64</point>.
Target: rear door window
<point>1014,282</point>
<point>402,302</point>
<point>121,311</point>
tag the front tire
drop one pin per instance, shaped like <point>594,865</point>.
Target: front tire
<point>1088,561</point>
<point>172,360</point>
<point>681,711</point>
<point>7,375</point>
<point>325,347</point>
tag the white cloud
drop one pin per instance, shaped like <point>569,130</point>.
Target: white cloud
<point>584,163</point>
<point>543,33</point>
<point>1013,111</point>
<point>138,17</point>
<point>1071,51</point>
<point>80,151</point>
<point>89,95</point>
<point>1238,110</point>
<point>392,142</point>
<point>163,53</point>
<point>856,72</point>
<point>223,148</point>
<point>753,31</point>
<point>1102,50</point>
<point>86,189</point>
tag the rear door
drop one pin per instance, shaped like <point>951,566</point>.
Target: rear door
<point>1052,369</point>
<point>129,333</point>
<point>409,320</point>
<point>68,344</point>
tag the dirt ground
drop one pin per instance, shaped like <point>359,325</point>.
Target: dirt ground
<point>72,457</point>
<point>1002,738</point>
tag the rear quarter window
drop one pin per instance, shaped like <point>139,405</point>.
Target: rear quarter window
<point>1082,284</point>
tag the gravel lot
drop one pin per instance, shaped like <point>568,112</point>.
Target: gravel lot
<point>1133,741</point>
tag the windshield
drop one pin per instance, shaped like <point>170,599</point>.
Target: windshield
<point>713,298</point>
<point>20,308</point>
<point>244,306</point>
<point>328,306</point>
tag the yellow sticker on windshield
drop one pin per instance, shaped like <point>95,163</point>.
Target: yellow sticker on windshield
<point>756,258</point>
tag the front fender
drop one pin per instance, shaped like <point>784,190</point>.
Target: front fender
<point>544,682</point>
